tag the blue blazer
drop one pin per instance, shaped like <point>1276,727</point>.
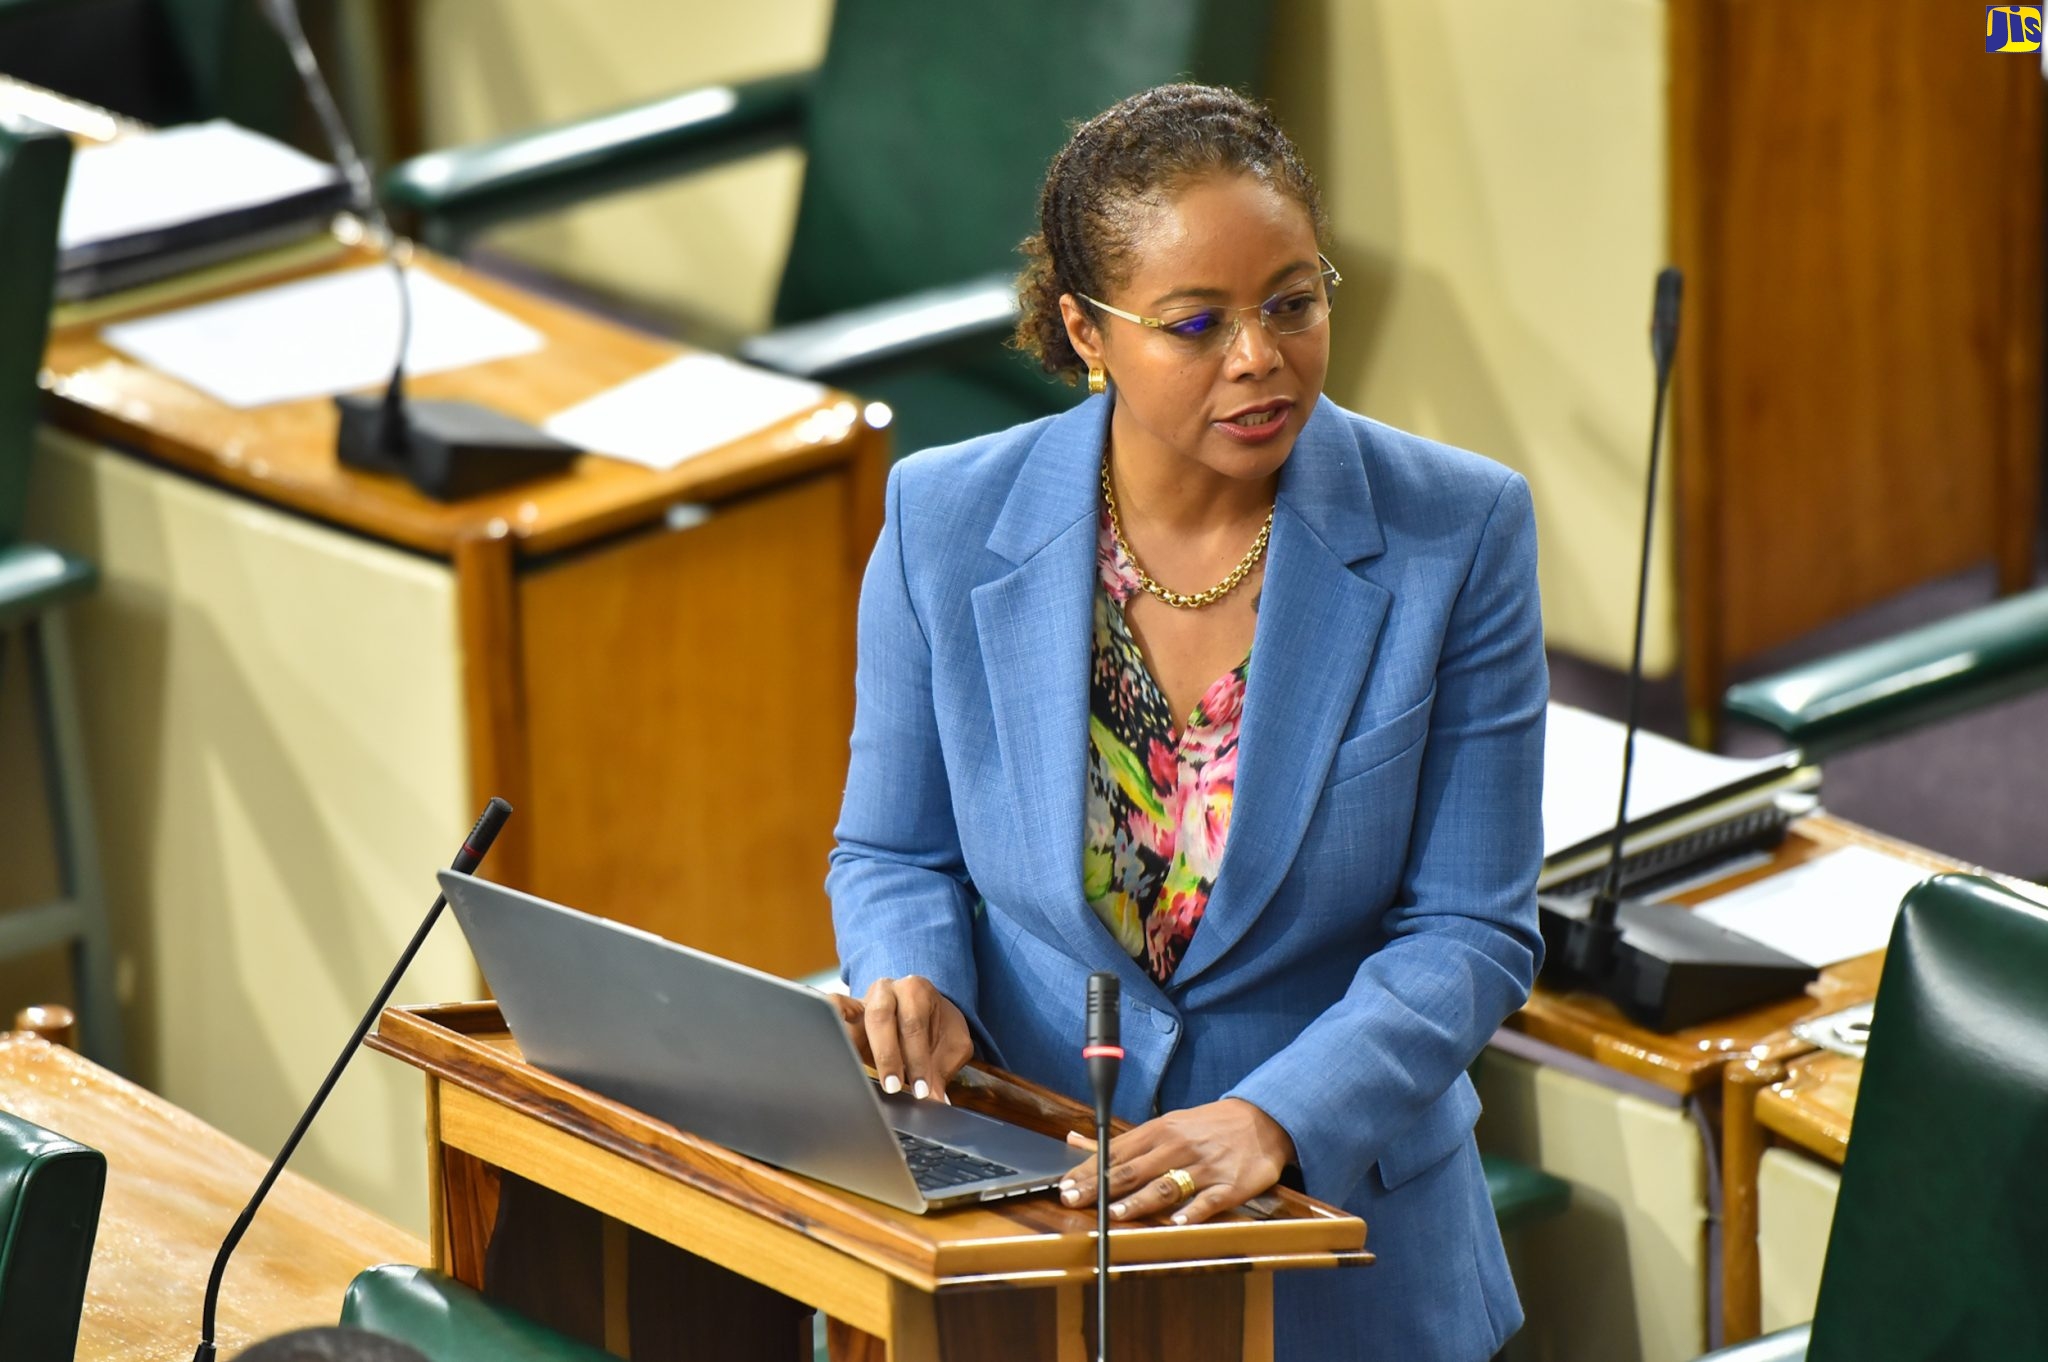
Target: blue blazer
<point>1374,916</point>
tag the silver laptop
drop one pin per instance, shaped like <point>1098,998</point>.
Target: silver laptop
<point>756,1063</point>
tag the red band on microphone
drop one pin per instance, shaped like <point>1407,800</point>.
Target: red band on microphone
<point>1102,1052</point>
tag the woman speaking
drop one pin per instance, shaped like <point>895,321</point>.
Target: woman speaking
<point>1217,685</point>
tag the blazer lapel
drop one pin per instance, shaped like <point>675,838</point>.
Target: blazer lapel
<point>1319,622</point>
<point>1036,627</point>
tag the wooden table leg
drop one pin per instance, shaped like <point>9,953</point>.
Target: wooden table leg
<point>1742,1148</point>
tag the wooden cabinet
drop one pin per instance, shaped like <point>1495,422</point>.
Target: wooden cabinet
<point>301,683</point>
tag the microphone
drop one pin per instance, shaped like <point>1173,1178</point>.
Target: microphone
<point>1105,1055</point>
<point>449,450</point>
<point>474,848</point>
<point>1662,965</point>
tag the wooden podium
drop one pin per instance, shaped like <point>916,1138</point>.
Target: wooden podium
<point>621,1230</point>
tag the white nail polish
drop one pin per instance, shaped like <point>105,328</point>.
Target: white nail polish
<point>1117,1210</point>
<point>1180,1218</point>
<point>1067,1184</point>
<point>920,1091</point>
<point>892,1084</point>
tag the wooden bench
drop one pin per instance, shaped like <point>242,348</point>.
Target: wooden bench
<point>174,1185</point>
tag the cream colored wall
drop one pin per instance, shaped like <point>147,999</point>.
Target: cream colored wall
<point>1495,173</point>
<point>274,720</point>
<point>708,250</point>
<point>1795,1211</point>
<point>1621,1275</point>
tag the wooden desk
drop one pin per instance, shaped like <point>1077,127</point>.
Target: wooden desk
<point>174,1185</point>
<point>574,1207</point>
<point>299,683</point>
<point>1633,1118</point>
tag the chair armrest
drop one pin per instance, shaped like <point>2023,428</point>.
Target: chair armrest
<point>913,324</point>
<point>50,1193</point>
<point>461,190</point>
<point>1786,1345</point>
<point>1944,668</point>
<point>449,1322</point>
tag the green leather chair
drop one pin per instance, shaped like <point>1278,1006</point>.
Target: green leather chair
<point>927,131</point>
<point>449,1322</point>
<point>160,61</point>
<point>1937,1253</point>
<point>36,581</point>
<point>50,1190</point>
<point>1937,671</point>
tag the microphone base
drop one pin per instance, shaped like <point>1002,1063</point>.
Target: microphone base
<point>448,450</point>
<point>1670,969</point>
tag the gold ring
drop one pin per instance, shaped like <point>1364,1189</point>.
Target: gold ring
<point>1182,1179</point>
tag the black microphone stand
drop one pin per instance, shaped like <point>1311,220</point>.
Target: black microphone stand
<point>1104,1053</point>
<point>1664,966</point>
<point>466,861</point>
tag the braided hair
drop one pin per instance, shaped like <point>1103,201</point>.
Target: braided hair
<point>1129,157</point>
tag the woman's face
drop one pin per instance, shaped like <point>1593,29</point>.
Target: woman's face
<point>1236,406</point>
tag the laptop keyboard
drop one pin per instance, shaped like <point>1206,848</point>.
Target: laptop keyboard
<point>936,1166</point>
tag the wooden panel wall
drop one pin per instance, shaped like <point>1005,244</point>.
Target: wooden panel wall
<point>1856,195</point>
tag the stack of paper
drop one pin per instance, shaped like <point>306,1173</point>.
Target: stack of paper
<point>157,203</point>
<point>332,333</point>
<point>1832,908</point>
<point>1675,792</point>
<point>681,409</point>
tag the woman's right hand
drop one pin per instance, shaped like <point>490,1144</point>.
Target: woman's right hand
<point>910,1033</point>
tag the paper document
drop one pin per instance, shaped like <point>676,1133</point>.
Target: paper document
<point>683,408</point>
<point>333,333</point>
<point>1582,776</point>
<point>159,179</point>
<point>1832,908</point>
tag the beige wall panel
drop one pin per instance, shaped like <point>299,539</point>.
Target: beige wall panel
<point>1495,177</point>
<point>1621,1275</point>
<point>709,250</point>
<point>273,714</point>
<point>1795,1209</point>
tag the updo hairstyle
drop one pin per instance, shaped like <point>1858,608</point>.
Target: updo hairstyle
<point>1133,156</point>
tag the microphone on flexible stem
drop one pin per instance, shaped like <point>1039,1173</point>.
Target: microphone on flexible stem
<point>1594,945</point>
<point>1105,1055</point>
<point>449,450</point>
<point>1664,966</point>
<point>466,861</point>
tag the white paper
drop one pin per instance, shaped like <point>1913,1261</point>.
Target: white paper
<point>683,408</point>
<point>1832,908</point>
<point>158,179</point>
<point>333,333</point>
<point>1582,776</point>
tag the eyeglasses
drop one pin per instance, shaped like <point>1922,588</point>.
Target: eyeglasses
<point>1293,310</point>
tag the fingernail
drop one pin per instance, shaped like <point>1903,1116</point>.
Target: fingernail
<point>1069,1195</point>
<point>1117,1210</point>
<point>1068,1184</point>
<point>1180,1218</point>
<point>920,1091</point>
<point>892,1084</point>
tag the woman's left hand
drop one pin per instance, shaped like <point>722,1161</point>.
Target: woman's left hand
<point>1231,1149</point>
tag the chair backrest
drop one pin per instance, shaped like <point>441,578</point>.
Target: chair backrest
<point>929,134</point>
<point>50,1190</point>
<point>1937,1249</point>
<point>160,61</point>
<point>34,164</point>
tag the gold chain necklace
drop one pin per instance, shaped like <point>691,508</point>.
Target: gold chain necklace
<point>1174,598</point>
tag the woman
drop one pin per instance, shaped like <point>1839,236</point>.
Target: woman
<point>1217,685</point>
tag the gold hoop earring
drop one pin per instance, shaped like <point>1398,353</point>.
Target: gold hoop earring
<point>1098,380</point>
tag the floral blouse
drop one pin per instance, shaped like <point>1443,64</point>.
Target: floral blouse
<point>1158,804</point>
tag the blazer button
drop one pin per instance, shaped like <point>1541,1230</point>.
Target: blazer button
<point>1167,1025</point>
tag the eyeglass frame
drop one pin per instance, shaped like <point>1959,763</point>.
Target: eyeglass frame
<point>1160,324</point>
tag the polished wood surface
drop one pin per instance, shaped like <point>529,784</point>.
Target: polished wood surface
<point>526,1156</point>
<point>284,453</point>
<point>1812,1105</point>
<point>174,1185</point>
<point>695,661</point>
<point>1856,200</point>
<point>1689,1062</point>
